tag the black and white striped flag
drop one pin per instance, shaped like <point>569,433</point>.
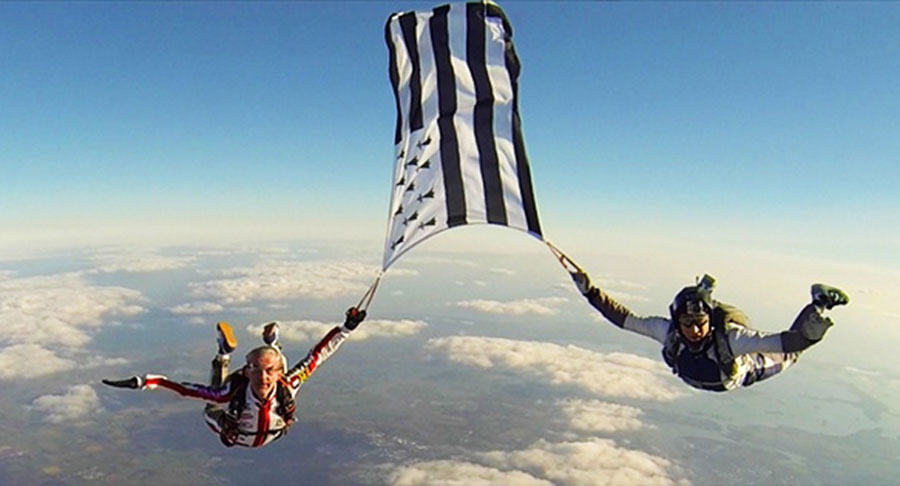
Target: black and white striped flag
<point>460,155</point>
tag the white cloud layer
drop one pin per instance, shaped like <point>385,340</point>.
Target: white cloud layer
<point>193,308</point>
<point>274,281</point>
<point>79,402</point>
<point>23,361</point>
<point>432,260</point>
<point>612,283</point>
<point>503,271</point>
<point>597,416</point>
<point>541,307</point>
<point>594,462</point>
<point>303,331</point>
<point>459,473</point>
<point>628,297</point>
<point>59,309</point>
<point>137,261</point>
<point>619,295</point>
<point>613,374</point>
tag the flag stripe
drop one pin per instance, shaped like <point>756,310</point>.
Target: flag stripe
<point>484,114</point>
<point>464,119</point>
<point>453,185</point>
<point>525,188</point>
<point>495,53</point>
<point>514,67</point>
<point>403,67</point>
<point>395,78</point>
<point>408,26</point>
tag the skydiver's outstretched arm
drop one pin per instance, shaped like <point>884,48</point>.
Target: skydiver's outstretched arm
<point>613,311</point>
<point>211,394</point>
<point>616,313</point>
<point>323,350</point>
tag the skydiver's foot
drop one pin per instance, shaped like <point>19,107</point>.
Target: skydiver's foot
<point>133,383</point>
<point>826,296</point>
<point>226,339</point>
<point>270,334</point>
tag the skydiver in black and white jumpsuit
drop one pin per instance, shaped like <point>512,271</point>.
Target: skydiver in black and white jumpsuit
<point>708,344</point>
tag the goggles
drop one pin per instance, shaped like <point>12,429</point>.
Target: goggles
<point>694,315</point>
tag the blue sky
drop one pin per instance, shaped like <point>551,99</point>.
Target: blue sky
<point>774,123</point>
<point>753,141</point>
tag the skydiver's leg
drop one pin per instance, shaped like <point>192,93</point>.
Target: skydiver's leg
<point>809,328</point>
<point>270,337</point>
<point>227,343</point>
<point>760,366</point>
<point>219,370</point>
<point>219,366</point>
<point>811,323</point>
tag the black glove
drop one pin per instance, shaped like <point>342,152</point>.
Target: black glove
<point>354,317</point>
<point>133,383</point>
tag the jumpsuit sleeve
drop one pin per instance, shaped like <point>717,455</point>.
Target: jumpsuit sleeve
<point>212,394</point>
<point>323,350</point>
<point>613,311</point>
<point>656,328</point>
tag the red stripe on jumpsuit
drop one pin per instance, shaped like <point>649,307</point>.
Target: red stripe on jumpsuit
<point>262,425</point>
<point>188,392</point>
<point>319,347</point>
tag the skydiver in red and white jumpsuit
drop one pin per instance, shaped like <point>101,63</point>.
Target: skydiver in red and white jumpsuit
<point>255,405</point>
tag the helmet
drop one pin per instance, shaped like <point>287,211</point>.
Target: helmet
<point>694,299</point>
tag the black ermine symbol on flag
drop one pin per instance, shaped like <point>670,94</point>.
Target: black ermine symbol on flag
<point>414,161</point>
<point>423,143</point>
<point>401,154</point>
<point>401,181</point>
<point>396,243</point>
<point>427,195</point>
<point>412,217</point>
<point>430,222</point>
<point>411,187</point>
<point>425,165</point>
<point>399,211</point>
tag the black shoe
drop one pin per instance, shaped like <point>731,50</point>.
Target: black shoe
<point>270,334</point>
<point>827,296</point>
<point>133,383</point>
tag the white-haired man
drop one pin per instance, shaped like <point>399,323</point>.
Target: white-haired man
<point>254,405</point>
